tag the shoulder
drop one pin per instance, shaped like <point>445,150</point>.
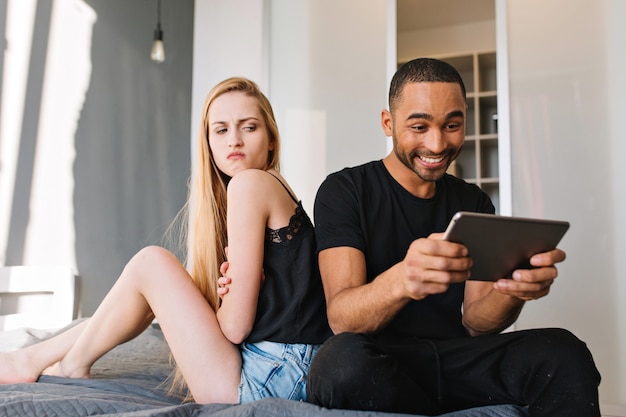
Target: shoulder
<point>352,183</point>
<point>346,192</point>
<point>353,175</point>
<point>455,185</point>
<point>465,195</point>
<point>368,168</point>
<point>251,182</point>
<point>459,184</point>
<point>258,185</point>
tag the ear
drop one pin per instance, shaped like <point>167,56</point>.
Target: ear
<point>386,122</point>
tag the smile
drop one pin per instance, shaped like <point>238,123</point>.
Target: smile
<point>430,159</point>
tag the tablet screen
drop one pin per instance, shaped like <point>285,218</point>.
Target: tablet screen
<point>498,245</point>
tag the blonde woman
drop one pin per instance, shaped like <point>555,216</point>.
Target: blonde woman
<point>270,309</point>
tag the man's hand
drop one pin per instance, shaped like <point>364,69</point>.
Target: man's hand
<point>492,307</point>
<point>531,284</point>
<point>355,305</point>
<point>432,264</point>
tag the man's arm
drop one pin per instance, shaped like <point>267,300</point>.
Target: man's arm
<point>485,310</point>
<point>492,307</point>
<point>353,305</point>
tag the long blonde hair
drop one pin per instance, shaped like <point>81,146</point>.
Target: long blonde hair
<point>205,210</point>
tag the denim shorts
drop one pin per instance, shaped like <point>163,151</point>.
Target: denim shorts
<point>271,369</point>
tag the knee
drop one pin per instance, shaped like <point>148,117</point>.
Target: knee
<point>150,255</point>
<point>336,367</point>
<point>566,352</point>
<point>558,343</point>
<point>339,357</point>
<point>149,261</point>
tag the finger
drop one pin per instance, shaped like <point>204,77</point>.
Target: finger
<point>436,236</point>
<point>429,282</point>
<point>548,258</point>
<point>535,275</point>
<point>523,290</point>
<point>439,269</point>
<point>435,247</point>
<point>224,267</point>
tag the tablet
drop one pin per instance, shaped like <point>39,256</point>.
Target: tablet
<point>498,245</point>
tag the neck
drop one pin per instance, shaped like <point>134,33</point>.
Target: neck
<point>408,179</point>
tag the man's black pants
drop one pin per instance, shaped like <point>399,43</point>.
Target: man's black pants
<point>549,370</point>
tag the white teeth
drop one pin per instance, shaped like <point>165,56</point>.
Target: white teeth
<point>431,160</point>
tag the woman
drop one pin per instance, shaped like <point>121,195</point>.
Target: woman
<point>271,309</point>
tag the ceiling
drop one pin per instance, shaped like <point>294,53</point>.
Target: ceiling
<point>424,14</point>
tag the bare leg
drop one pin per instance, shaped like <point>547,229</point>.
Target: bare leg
<point>56,370</point>
<point>155,282</point>
<point>26,364</point>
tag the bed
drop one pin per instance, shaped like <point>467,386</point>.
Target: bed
<point>128,382</point>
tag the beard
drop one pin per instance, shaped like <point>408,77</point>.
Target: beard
<point>427,175</point>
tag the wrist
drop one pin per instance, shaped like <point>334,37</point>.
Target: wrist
<point>394,280</point>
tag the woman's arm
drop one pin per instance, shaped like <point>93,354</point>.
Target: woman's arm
<point>247,214</point>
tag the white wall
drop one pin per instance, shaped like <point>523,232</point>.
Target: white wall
<point>567,87</point>
<point>229,40</point>
<point>325,74</point>
<point>328,84</point>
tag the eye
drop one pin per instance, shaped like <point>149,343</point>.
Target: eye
<point>221,130</point>
<point>249,128</point>
<point>452,126</point>
<point>419,128</point>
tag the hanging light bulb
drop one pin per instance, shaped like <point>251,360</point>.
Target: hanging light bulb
<point>157,53</point>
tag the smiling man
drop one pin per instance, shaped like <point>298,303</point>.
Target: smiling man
<point>413,334</point>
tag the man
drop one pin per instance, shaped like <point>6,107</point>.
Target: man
<point>413,335</point>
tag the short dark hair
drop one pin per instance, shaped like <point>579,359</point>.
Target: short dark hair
<point>422,70</point>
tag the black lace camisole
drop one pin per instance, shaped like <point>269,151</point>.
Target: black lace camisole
<point>291,307</point>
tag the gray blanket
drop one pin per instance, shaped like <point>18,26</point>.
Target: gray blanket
<point>129,382</point>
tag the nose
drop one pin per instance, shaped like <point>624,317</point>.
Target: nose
<point>234,138</point>
<point>435,141</point>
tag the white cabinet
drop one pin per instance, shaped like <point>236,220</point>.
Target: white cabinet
<point>478,162</point>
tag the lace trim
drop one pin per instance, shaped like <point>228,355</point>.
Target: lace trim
<point>285,234</point>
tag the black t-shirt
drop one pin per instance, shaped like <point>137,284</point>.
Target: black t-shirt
<point>366,208</point>
<point>291,306</point>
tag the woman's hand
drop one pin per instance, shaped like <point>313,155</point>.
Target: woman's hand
<point>224,281</point>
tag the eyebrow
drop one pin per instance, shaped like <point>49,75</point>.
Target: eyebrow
<point>426,116</point>
<point>244,120</point>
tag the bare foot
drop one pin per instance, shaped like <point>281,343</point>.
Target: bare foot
<point>16,367</point>
<point>51,370</point>
<point>57,369</point>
